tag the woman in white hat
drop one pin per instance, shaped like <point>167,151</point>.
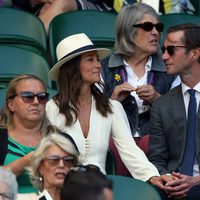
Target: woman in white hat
<point>85,113</point>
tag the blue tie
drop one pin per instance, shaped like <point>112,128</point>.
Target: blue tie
<point>189,155</point>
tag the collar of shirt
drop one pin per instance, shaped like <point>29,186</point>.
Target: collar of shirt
<point>186,95</point>
<point>185,88</point>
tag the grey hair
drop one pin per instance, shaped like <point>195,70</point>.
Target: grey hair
<point>9,179</point>
<point>65,143</point>
<point>125,32</point>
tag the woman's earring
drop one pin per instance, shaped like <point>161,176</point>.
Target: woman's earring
<point>40,179</point>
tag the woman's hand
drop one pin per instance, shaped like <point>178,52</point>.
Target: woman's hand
<point>120,92</point>
<point>147,93</point>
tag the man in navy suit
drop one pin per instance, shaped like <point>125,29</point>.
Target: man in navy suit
<point>169,115</point>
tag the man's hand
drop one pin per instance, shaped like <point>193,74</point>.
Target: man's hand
<point>179,187</point>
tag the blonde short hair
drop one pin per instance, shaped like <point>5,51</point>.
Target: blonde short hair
<point>63,140</point>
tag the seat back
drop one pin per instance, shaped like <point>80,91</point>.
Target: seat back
<point>3,97</point>
<point>177,18</point>
<point>98,26</point>
<point>130,188</point>
<point>14,61</point>
<point>23,29</point>
<point>120,168</point>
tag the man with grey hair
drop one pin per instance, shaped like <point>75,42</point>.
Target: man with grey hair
<point>8,185</point>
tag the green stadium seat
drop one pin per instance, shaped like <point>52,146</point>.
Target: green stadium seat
<point>129,188</point>
<point>15,60</point>
<point>21,28</point>
<point>98,26</point>
<point>177,18</point>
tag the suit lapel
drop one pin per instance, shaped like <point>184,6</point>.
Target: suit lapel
<point>179,114</point>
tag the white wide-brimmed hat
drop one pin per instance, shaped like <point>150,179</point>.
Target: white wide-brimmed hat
<point>72,46</point>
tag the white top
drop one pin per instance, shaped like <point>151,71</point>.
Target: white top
<point>93,149</point>
<point>135,81</point>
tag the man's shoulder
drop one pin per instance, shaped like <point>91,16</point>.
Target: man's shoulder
<point>169,96</point>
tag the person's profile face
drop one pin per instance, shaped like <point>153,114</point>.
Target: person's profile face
<point>90,67</point>
<point>175,56</point>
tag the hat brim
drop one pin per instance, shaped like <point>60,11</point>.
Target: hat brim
<point>54,72</point>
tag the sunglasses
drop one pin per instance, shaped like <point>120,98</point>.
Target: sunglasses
<point>148,26</point>
<point>54,160</point>
<point>28,97</point>
<point>6,196</point>
<point>171,49</point>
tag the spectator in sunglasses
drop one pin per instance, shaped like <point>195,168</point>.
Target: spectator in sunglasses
<point>135,74</point>
<point>8,185</point>
<point>51,162</point>
<point>174,132</point>
<point>23,124</point>
<point>86,183</point>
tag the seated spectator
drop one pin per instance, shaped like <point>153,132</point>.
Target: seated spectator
<point>23,125</point>
<point>50,163</point>
<point>175,122</point>
<point>86,183</point>
<point>135,74</point>
<point>8,185</point>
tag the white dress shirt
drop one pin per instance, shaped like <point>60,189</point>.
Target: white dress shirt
<point>186,97</point>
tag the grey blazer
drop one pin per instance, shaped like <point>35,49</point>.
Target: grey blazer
<point>168,132</point>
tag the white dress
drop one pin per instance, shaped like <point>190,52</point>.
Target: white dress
<point>93,149</point>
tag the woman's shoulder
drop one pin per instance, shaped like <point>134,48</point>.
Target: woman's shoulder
<point>51,105</point>
<point>115,104</point>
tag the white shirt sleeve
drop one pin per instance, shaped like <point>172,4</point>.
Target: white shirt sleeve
<point>133,157</point>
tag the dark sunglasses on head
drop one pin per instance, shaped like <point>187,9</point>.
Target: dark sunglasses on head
<point>54,160</point>
<point>28,97</point>
<point>148,26</point>
<point>171,49</point>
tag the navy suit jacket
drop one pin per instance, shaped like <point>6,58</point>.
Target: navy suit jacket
<point>168,132</point>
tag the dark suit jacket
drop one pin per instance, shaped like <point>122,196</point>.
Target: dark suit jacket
<point>168,132</point>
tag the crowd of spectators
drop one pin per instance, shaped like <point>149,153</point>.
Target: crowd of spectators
<point>54,146</point>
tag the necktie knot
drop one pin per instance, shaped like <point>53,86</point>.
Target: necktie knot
<point>191,92</point>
